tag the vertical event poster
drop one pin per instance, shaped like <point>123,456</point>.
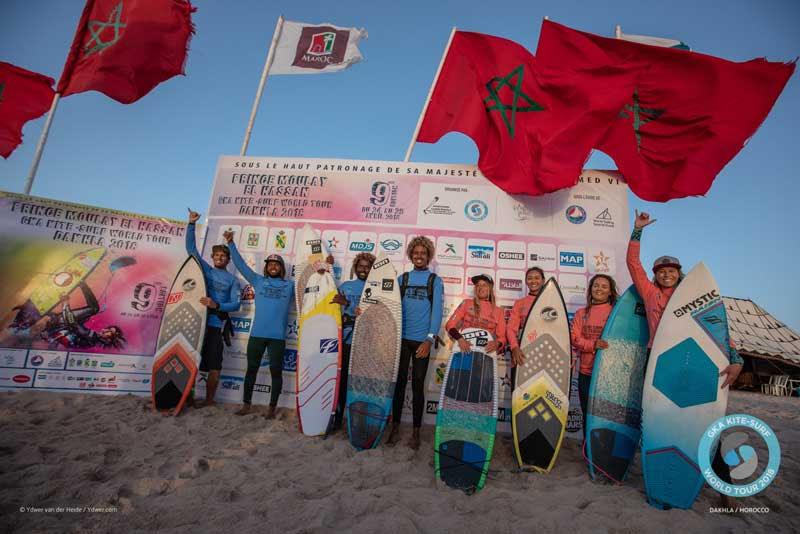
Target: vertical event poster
<point>377,206</point>
<point>83,292</point>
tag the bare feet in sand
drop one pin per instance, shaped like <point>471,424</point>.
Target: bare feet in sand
<point>415,440</point>
<point>394,435</point>
<point>244,410</point>
<point>270,413</point>
<point>204,403</point>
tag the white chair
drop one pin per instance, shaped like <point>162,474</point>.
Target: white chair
<point>780,387</point>
<point>767,388</point>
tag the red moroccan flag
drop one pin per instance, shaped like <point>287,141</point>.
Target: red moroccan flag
<point>534,127</point>
<point>688,117</point>
<point>124,48</point>
<point>24,96</point>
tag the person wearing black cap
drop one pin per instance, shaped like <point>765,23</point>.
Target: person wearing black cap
<point>273,298</point>
<point>479,312</point>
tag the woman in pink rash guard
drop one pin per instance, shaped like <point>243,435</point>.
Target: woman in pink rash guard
<point>534,279</point>
<point>479,312</point>
<point>667,275</point>
<point>587,327</point>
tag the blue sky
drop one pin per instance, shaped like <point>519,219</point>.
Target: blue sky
<point>158,155</point>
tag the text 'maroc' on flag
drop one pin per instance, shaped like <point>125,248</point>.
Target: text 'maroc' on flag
<point>316,48</point>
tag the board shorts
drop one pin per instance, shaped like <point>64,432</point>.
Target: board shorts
<point>211,355</point>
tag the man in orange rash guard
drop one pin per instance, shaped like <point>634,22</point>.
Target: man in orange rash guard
<point>479,312</point>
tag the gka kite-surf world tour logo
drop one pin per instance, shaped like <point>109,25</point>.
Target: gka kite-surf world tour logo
<point>737,434</point>
<point>320,47</point>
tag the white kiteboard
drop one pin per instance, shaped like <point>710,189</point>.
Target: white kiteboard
<point>319,338</point>
<point>682,395</point>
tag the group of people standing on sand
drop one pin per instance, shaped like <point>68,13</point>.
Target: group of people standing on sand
<point>422,293</point>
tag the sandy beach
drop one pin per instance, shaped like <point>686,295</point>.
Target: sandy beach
<point>92,463</point>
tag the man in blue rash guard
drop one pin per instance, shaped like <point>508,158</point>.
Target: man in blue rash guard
<point>223,296</point>
<point>348,297</point>
<point>274,297</point>
<point>422,293</point>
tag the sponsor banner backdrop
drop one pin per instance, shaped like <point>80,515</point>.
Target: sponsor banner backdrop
<point>377,206</point>
<point>83,292</point>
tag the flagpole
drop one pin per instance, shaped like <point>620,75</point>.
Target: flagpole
<point>37,156</point>
<point>267,64</point>
<point>430,93</point>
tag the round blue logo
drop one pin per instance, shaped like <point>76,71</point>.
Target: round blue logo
<point>575,214</point>
<point>739,455</point>
<point>476,210</point>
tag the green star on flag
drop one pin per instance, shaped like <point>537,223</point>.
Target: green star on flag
<point>97,27</point>
<point>496,84</point>
<point>640,115</point>
<point>534,127</point>
<point>125,48</point>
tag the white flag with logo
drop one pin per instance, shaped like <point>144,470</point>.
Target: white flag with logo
<point>316,48</point>
<point>654,41</point>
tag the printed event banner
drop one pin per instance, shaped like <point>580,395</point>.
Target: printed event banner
<point>377,206</point>
<point>83,293</point>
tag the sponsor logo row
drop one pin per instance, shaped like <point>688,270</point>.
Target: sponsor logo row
<point>521,255</point>
<point>55,360</point>
<point>450,250</point>
<point>44,378</point>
